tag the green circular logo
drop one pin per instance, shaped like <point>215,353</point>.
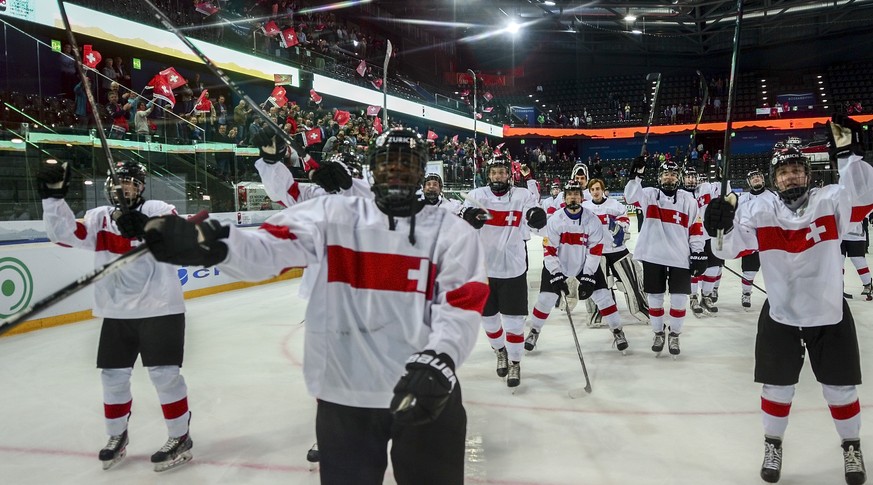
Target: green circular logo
<point>16,286</point>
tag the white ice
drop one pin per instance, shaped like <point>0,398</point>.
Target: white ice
<point>694,420</point>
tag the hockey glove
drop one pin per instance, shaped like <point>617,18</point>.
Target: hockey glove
<point>844,137</point>
<point>272,148</point>
<point>175,240</point>
<point>697,263</point>
<point>53,180</point>
<point>638,168</point>
<point>536,217</point>
<point>617,231</point>
<point>475,216</point>
<point>559,282</point>
<point>130,224</point>
<point>586,286</point>
<point>720,215</point>
<point>423,392</point>
<point>332,176</point>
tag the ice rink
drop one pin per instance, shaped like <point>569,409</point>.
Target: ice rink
<point>694,420</point>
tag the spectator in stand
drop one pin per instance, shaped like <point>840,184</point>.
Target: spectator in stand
<point>118,114</point>
<point>220,111</point>
<point>141,120</point>
<point>716,105</point>
<point>82,107</point>
<point>69,77</point>
<point>627,111</point>
<point>110,75</point>
<point>123,75</point>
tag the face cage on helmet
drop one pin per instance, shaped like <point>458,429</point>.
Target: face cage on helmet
<point>695,181</point>
<point>499,186</point>
<point>109,191</point>
<point>794,193</point>
<point>753,175</point>
<point>672,185</point>
<point>397,198</point>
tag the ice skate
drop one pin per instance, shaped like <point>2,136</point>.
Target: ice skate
<point>530,342</point>
<point>313,457</point>
<point>619,341</point>
<point>658,343</point>
<point>695,306</point>
<point>513,378</point>
<point>114,451</point>
<point>596,320</point>
<point>772,466</point>
<point>868,291</point>
<point>714,295</point>
<point>853,462</point>
<point>708,305</point>
<point>747,301</point>
<point>174,453</point>
<point>502,362</point>
<point>673,344</point>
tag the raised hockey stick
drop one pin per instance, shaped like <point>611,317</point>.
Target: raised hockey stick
<point>656,77</point>
<point>741,277</point>
<point>578,351</point>
<point>732,88</point>
<point>94,276</point>
<point>703,103</point>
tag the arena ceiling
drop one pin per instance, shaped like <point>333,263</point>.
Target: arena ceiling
<point>684,27</point>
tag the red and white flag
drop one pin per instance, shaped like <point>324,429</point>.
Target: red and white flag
<point>203,104</point>
<point>455,140</point>
<point>478,116</point>
<point>315,97</point>
<point>377,83</point>
<point>377,125</point>
<point>282,79</point>
<point>161,89</point>
<point>289,38</point>
<point>432,136</point>
<point>90,57</point>
<point>206,8</point>
<point>498,147</point>
<point>270,29</point>
<point>373,110</point>
<point>174,79</point>
<point>487,96</point>
<point>487,109</point>
<point>465,93</point>
<point>277,97</point>
<point>313,136</point>
<point>362,68</point>
<point>342,117</point>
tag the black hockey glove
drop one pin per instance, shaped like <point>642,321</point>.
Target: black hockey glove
<point>175,240</point>
<point>559,282</point>
<point>586,286</point>
<point>475,216</point>
<point>638,167</point>
<point>720,215</point>
<point>423,392</point>
<point>131,224</point>
<point>536,217</point>
<point>844,137</point>
<point>697,263</point>
<point>53,180</point>
<point>272,147</point>
<point>332,176</point>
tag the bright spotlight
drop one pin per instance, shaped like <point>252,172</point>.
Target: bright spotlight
<point>630,18</point>
<point>549,3</point>
<point>51,161</point>
<point>636,31</point>
<point>513,27</point>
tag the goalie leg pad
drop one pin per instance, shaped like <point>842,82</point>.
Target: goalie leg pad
<point>631,276</point>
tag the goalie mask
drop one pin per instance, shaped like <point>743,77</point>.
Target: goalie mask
<point>580,174</point>
<point>668,177</point>
<point>756,180</point>
<point>398,159</point>
<point>131,175</point>
<point>499,173</point>
<point>789,176</point>
<point>433,188</point>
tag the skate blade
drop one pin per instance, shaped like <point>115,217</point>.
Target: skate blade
<point>111,463</point>
<point>169,465</point>
<point>623,352</point>
<point>577,393</point>
<point>313,467</point>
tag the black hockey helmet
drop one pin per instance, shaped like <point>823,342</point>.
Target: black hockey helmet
<point>131,172</point>
<point>498,161</point>
<point>571,188</point>
<point>432,196</point>
<point>398,160</point>
<point>669,168</point>
<point>783,158</point>
<point>756,179</point>
<point>690,179</point>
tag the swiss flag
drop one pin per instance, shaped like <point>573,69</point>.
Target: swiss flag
<point>342,117</point>
<point>487,109</point>
<point>90,57</point>
<point>277,97</point>
<point>313,136</point>
<point>289,38</point>
<point>203,104</point>
<point>377,83</point>
<point>431,135</point>
<point>478,116</point>
<point>362,68</point>
<point>162,89</point>
<point>315,97</point>
<point>455,140</point>
<point>174,79</point>
<point>282,79</point>
<point>377,125</point>
<point>373,110</point>
<point>487,96</point>
<point>206,8</point>
<point>270,29</point>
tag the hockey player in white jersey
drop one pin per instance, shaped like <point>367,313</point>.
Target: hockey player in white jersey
<point>433,194</point>
<point>576,241</point>
<point>670,246</point>
<point>395,310</point>
<point>509,208</point>
<point>551,203</point>
<point>853,247</point>
<point>141,305</point>
<point>704,192</point>
<point>750,262</point>
<point>798,239</point>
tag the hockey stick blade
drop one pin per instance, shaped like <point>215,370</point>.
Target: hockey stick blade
<point>92,277</point>
<point>578,348</point>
